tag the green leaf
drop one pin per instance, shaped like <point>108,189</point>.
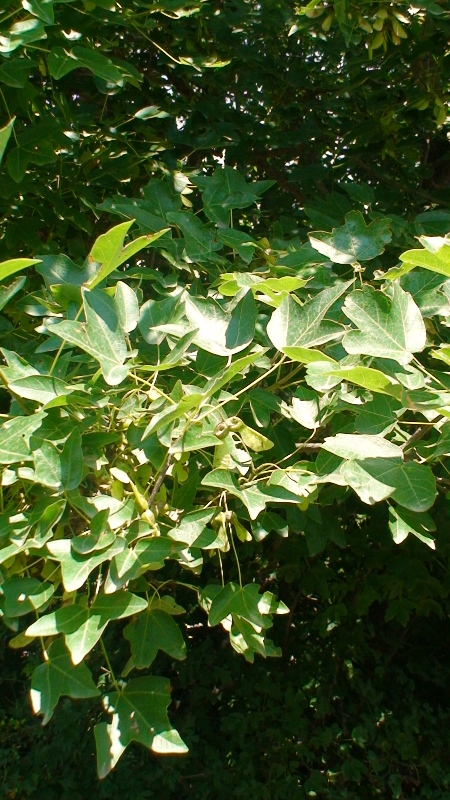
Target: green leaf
<point>5,133</point>
<point>107,249</point>
<point>254,497</point>
<point>307,355</point>
<point>8,268</point>
<point>72,461</point>
<point>415,485</point>
<point>241,327</point>
<point>127,307</point>
<point>7,292</point>
<point>154,314</point>
<point>372,379</point>
<point>57,678</point>
<point>226,375</point>
<point>41,388</point>
<point>354,241</point>
<point>172,413</point>
<point>14,438</point>
<point>152,631</point>
<point>361,446</point>
<point>83,626</point>
<point>246,602</point>
<point>60,62</point>
<point>42,9</point>
<point>239,241</point>
<point>219,331</point>
<point>201,240</point>
<point>436,257</point>
<point>151,112</point>
<point>140,715</point>
<point>161,198</point>
<point>59,269</point>
<point>47,465</point>
<point>388,328</point>
<point>429,291</point>
<point>294,325</point>
<point>353,474</point>
<point>227,189</point>
<point>23,595</point>
<point>101,336</point>
<point>246,641</point>
<point>435,222</point>
<point>76,568</point>
<point>98,64</point>
<point>110,252</point>
<point>99,538</point>
<point>192,526</point>
<point>149,554</point>
<point>263,404</point>
<point>378,416</point>
<point>403,522</point>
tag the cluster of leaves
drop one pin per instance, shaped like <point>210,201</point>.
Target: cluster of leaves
<point>163,417</point>
<point>359,703</point>
<point>237,391</point>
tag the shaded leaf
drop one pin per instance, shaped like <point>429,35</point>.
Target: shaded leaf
<point>152,631</point>
<point>83,625</point>
<point>140,715</point>
<point>403,522</point>
<point>57,678</point>
<point>5,133</point>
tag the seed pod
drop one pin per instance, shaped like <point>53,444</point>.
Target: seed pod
<point>141,501</point>
<point>313,13</point>
<point>398,30</point>
<point>116,489</point>
<point>365,25</point>
<point>235,424</point>
<point>221,429</point>
<point>377,41</point>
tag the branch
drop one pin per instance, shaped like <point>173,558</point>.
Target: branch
<point>160,479</point>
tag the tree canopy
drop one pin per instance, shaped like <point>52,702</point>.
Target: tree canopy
<point>225,391</point>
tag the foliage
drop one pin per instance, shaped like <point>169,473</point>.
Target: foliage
<point>214,416</point>
<point>177,433</point>
<point>97,97</point>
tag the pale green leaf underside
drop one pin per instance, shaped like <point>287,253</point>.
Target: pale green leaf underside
<point>387,328</point>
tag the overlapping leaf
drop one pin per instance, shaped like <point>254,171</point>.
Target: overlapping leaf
<point>83,626</point>
<point>294,325</point>
<point>354,241</point>
<point>387,327</point>
<point>139,715</point>
<point>58,677</point>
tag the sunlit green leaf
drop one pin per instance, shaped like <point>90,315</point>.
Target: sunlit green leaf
<point>139,714</point>
<point>354,241</point>
<point>388,328</point>
<point>57,678</point>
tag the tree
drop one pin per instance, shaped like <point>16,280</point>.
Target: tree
<point>221,396</point>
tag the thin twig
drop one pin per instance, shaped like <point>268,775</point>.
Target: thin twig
<point>160,479</point>
<point>415,437</point>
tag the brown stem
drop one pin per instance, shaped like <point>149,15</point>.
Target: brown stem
<point>160,479</point>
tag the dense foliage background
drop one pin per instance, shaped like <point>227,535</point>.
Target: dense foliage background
<point>236,129</point>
